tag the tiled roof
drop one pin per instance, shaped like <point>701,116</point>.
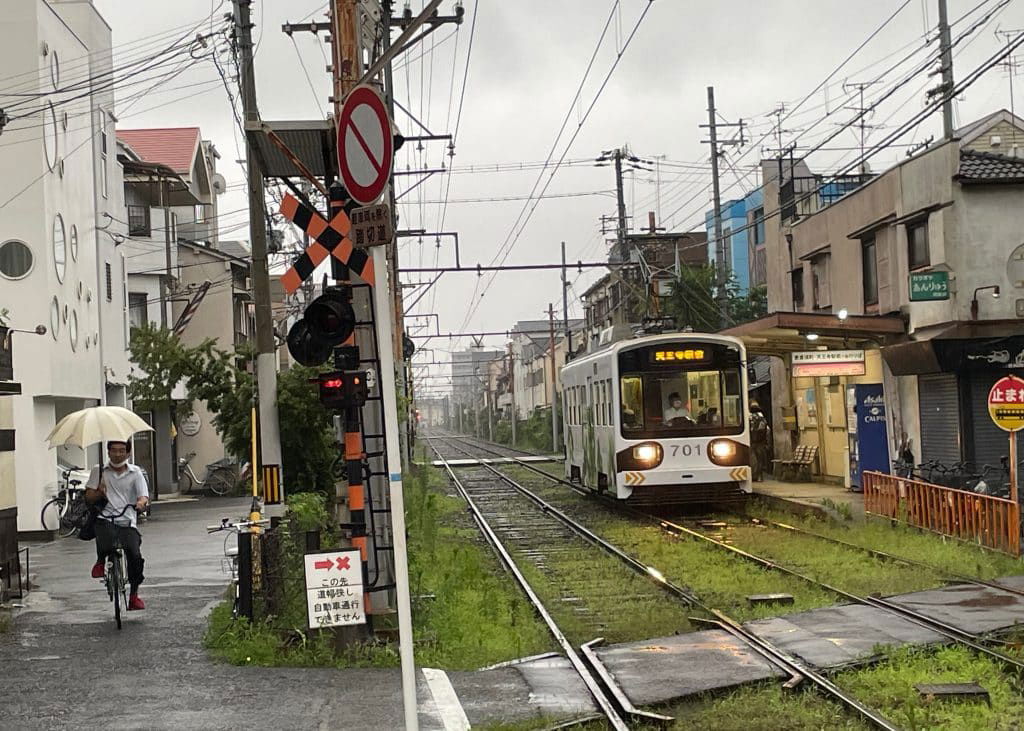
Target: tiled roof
<point>988,167</point>
<point>175,147</point>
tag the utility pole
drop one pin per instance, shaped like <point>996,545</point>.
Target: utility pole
<point>266,361</point>
<point>512,391</point>
<point>946,58</point>
<point>722,256</point>
<point>621,198</point>
<point>565,307</point>
<point>554,379</point>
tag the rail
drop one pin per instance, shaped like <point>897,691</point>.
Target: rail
<point>992,522</point>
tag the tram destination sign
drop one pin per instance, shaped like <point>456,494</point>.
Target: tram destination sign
<point>929,287</point>
<point>828,363</point>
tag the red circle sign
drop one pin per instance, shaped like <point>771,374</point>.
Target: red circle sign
<point>1006,403</point>
<point>365,145</point>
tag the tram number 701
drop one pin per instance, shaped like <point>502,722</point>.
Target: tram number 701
<point>687,450</point>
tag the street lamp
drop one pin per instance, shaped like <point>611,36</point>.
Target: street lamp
<point>974,299</point>
<point>843,313</point>
<point>811,336</point>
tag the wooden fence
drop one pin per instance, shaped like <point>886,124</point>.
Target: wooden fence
<point>990,521</point>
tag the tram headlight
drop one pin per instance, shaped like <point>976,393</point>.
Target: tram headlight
<point>648,454</point>
<point>725,452</point>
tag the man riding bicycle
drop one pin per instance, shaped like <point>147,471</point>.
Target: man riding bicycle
<point>120,484</point>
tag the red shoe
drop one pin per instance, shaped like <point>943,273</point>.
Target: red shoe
<point>135,603</point>
<point>97,570</point>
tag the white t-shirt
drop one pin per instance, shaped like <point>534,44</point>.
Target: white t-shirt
<point>122,489</point>
<point>674,413</point>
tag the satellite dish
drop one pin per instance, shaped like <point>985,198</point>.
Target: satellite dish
<point>219,183</point>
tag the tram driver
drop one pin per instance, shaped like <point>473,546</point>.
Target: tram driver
<point>675,409</point>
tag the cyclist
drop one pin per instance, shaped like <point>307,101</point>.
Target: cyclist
<point>119,484</point>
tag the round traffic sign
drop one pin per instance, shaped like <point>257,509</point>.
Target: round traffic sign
<point>365,145</point>
<point>1006,403</point>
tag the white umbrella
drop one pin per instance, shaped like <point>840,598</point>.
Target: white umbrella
<point>96,424</point>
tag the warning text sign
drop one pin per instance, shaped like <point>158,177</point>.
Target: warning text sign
<point>334,589</point>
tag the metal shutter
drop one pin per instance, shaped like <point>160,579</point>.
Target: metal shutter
<point>939,405</point>
<point>989,443</point>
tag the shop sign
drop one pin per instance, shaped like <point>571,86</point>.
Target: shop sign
<point>929,287</point>
<point>828,363</point>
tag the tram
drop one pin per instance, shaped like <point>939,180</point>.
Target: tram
<point>659,419</point>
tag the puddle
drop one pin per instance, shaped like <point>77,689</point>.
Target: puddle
<point>988,600</point>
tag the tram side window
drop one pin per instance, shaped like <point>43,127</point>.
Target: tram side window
<point>632,389</point>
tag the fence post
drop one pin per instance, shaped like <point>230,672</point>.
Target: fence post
<point>312,541</point>
<point>245,575</point>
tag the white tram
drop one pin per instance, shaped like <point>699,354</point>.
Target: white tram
<point>659,419</point>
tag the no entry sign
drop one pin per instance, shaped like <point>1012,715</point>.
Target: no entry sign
<point>365,145</point>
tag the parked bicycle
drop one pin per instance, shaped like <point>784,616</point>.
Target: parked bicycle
<point>61,512</point>
<point>115,571</point>
<point>229,564</point>
<point>221,476</point>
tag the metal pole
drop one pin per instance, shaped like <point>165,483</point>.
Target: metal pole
<point>512,391</point>
<point>1013,467</point>
<point>244,578</point>
<point>266,359</point>
<point>946,58</point>
<point>723,302</point>
<point>165,284</point>
<point>565,306</point>
<point>554,380</point>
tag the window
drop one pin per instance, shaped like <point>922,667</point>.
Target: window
<point>138,309</point>
<point>138,221</point>
<point>50,135</point>
<point>820,287</point>
<point>109,281</point>
<point>917,244</point>
<point>200,213</point>
<point>797,281</point>
<point>174,227</point>
<point>103,153</point>
<point>869,271</point>
<point>74,242</point>
<point>15,259</point>
<point>757,218</point>
<point>60,260</point>
<point>73,330</point>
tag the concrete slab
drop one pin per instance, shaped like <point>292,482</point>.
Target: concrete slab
<point>665,668</point>
<point>806,497</point>
<point>969,607</point>
<point>1012,582</point>
<point>841,635</point>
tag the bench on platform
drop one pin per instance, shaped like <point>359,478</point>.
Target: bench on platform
<point>799,465</point>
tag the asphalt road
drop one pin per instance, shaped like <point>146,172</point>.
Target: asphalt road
<point>65,664</point>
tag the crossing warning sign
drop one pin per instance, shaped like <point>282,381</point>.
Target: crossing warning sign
<point>1006,403</point>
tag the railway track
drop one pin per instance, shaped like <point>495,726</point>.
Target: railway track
<point>490,504</point>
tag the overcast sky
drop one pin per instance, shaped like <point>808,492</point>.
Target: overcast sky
<point>528,58</point>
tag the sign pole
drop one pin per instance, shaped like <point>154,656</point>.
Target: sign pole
<point>1013,467</point>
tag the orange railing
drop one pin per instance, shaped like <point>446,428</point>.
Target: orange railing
<point>991,521</point>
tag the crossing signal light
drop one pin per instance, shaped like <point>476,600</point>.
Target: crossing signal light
<point>328,321</point>
<point>343,389</point>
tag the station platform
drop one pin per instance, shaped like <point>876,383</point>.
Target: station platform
<point>811,497</point>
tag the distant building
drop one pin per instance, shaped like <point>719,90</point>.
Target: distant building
<point>743,233</point>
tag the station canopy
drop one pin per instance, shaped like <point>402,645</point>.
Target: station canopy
<point>782,333</point>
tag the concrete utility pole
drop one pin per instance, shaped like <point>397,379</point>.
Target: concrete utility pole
<point>946,58</point>
<point>554,379</point>
<point>565,307</point>
<point>621,198</point>
<point>512,391</point>
<point>266,360</point>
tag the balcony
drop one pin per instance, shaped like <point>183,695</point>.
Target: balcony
<point>804,196</point>
<point>138,221</point>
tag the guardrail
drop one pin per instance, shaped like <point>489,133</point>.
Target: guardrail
<point>990,521</point>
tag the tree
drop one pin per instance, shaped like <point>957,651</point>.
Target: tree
<point>692,302</point>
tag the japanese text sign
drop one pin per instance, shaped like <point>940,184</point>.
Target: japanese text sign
<point>828,363</point>
<point>1006,403</point>
<point>929,287</point>
<point>371,226</point>
<point>334,589</point>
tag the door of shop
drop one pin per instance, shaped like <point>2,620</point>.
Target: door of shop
<point>939,405</point>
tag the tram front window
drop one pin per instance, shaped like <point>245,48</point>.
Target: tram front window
<point>681,402</point>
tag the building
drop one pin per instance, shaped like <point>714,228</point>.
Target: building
<point>171,187</point>
<point>912,257</point>
<point>743,229</point>
<point>624,296</point>
<point>60,263</point>
<point>469,379</point>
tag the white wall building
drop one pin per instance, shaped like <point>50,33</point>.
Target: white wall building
<point>59,263</point>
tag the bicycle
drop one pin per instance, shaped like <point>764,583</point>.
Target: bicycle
<point>115,571</point>
<point>221,476</point>
<point>229,564</point>
<point>64,507</point>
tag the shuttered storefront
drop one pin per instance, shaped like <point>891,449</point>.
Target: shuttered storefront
<point>939,404</point>
<point>988,443</point>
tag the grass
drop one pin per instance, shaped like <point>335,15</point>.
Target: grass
<point>5,621</point>
<point>889,687</point>
<point>466,613</point>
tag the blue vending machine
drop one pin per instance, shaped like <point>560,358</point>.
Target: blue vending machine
<point>869,437</point>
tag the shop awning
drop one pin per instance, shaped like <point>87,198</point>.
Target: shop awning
<point>964,345</point>
<point>782,333</point>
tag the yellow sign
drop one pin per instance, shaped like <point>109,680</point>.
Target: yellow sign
<point>634,478</point>
<point>664,356</point>
<point>1006,403</point>
<point>739,474</point>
